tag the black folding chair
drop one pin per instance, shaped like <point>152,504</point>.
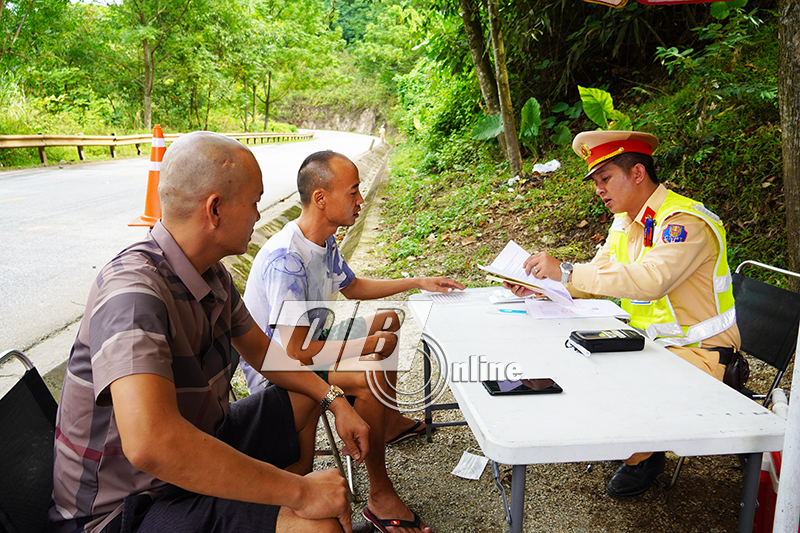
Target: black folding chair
<point>768,318</point>
<point>27,431</point>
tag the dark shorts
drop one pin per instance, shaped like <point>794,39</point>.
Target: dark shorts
<point>349,328</point>
<point>177,510</point>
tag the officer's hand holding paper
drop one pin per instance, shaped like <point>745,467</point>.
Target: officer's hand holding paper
<point>508,268</point>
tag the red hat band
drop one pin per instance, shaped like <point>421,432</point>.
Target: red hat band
<point>604,152</point>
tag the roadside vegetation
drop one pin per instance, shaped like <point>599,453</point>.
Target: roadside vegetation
<point>702,77</point>
<point>453,201</point>
<point>99,67</point>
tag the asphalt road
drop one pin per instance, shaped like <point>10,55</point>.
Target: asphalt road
<point>59,225</point>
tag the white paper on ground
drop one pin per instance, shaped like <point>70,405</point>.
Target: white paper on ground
<point>470,466</point>
<point>550,166</point>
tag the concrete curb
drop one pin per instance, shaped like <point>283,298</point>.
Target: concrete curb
<point>50,355</point>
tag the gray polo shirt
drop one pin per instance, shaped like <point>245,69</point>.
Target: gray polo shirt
<point>149,312</point>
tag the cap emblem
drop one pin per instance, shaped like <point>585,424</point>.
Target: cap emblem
<point>585,151</point>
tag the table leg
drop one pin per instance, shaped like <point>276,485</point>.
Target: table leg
<point>426,361</point>
<point>747,512</point>
<point>430,407</point>
<point>517,497</point>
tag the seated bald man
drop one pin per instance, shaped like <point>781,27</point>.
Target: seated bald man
<point>301,263</point>
<point>146,440</point>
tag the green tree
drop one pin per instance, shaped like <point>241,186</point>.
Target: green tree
<point>473,28</point>
<point>390,44</point>
<point>296,49</point>
<point>135,36</point>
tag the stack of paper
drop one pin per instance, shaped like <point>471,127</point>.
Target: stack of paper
<point>580,309</point>
<point>508,267</point>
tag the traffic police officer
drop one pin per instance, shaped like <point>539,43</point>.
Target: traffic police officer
<point>666,259</point>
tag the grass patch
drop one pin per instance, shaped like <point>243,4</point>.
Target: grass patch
<point>447,223</point>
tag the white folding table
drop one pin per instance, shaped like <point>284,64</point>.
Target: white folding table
<point>612,406</point>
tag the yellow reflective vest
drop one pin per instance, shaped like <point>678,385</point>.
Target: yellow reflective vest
<point>657,318</point>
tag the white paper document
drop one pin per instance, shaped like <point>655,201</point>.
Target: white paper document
<point>470,466</point>
<point>508,264</point>
<point>455,298</point>
<point>579,309</point>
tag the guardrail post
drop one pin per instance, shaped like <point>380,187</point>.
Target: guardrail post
<point>42,154</point>
<point>138,149</point>
<point>112,147</point>
<point>80,151</point>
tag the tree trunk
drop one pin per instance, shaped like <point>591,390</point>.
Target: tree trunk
<point>480,60</point>
<point>503,90</point>
<point>196,99</point>
<point>255,89</point>
<point>147,58</point>
<point>789,103</point>
<point>266,100</point>
<point>245,102</point>
<point>208,106</point>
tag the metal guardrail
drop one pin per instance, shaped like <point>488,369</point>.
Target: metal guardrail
<point>42,141</point>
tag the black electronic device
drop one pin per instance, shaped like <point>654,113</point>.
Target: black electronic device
<point>522,386</point>
<point>608,340</point>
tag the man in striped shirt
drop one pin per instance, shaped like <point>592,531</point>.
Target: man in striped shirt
<point>145,438</point>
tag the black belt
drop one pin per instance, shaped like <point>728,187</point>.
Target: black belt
<point>725,354</point>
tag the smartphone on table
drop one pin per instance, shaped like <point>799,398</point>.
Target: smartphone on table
<point>522,386</point>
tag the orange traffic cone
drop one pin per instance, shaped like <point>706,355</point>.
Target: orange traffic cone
<point>152,203</point>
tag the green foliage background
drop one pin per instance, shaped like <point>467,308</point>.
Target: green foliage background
<point>715,114</point>
<point>702,77</point>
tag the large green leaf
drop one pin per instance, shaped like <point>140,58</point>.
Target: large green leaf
<point>597,104</point>
<point>619,120</point>
<point>531,119</point>
<point>490,127</point>
<point>559,107</point>
<point>561,135</point>
<point>720,10</point>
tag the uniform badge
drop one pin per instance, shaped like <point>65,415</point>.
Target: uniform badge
<point>674,233</point>
<point>585,151</point>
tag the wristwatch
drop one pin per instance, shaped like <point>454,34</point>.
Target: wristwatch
<point>333,393</point>
<point>566,270</point>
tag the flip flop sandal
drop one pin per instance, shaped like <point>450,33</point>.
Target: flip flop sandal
<point>383,524</point>
<point>413,431</point>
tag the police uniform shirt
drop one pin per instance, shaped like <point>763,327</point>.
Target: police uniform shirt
<point>681,266</point>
